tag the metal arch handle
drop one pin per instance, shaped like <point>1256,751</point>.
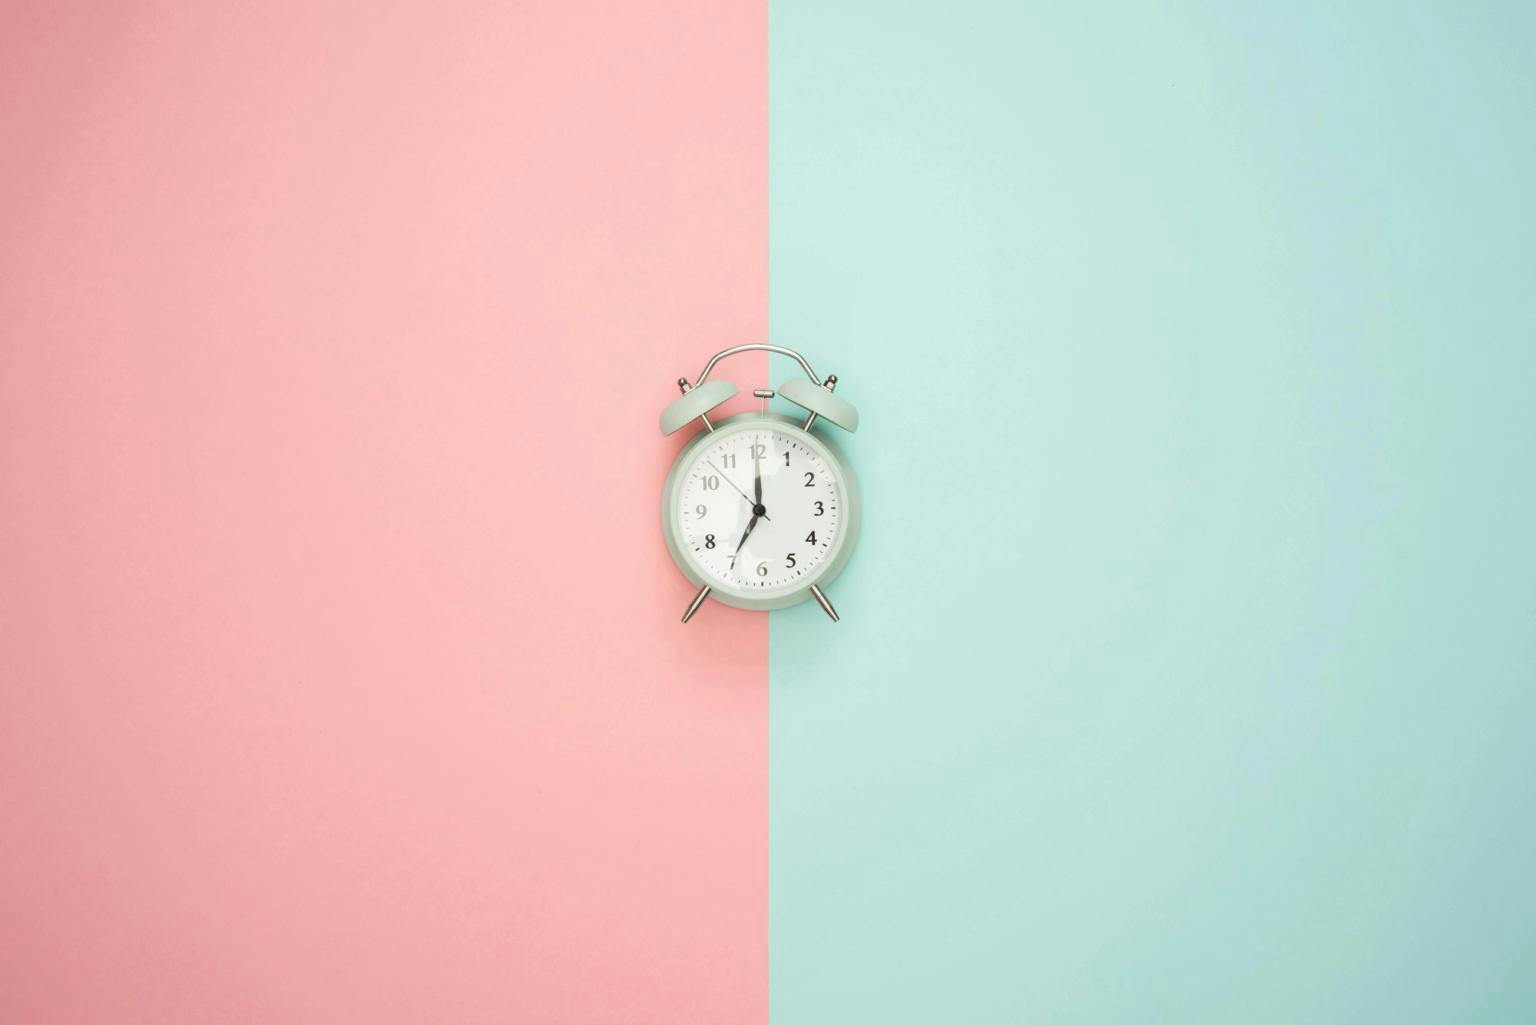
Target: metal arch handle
<point>757,347</point>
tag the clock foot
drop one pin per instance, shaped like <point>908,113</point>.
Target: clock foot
<point>698,600</point>
<point>821,600</point>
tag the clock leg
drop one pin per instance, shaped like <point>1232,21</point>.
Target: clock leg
<point>698,600</point>
<point>821,600</point>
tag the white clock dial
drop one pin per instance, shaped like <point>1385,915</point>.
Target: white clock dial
<point>759,510</point>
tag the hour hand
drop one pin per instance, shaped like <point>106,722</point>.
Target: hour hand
<point>744,535</point>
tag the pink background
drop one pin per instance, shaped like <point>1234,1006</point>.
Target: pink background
<point>339,655</point>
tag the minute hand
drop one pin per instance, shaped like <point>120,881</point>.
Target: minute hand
<point>757,476</point>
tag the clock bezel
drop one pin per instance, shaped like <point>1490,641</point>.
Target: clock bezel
<point>842,547</point>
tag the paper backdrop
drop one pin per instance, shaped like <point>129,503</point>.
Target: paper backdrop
<point>1185,666</point>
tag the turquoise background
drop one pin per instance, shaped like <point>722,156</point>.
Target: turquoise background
<point>1187,668</point>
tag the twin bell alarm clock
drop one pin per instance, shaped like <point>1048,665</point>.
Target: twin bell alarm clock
<point>760,511</point>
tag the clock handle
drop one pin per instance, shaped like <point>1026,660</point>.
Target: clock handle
<point>814,396</point>
<point>757,347</point>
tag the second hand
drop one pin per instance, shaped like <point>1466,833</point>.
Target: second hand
<point>740,492</point>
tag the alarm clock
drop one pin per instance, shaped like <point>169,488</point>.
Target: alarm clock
<point>760,511</point>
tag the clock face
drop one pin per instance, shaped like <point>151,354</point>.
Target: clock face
<point>758,510</point>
